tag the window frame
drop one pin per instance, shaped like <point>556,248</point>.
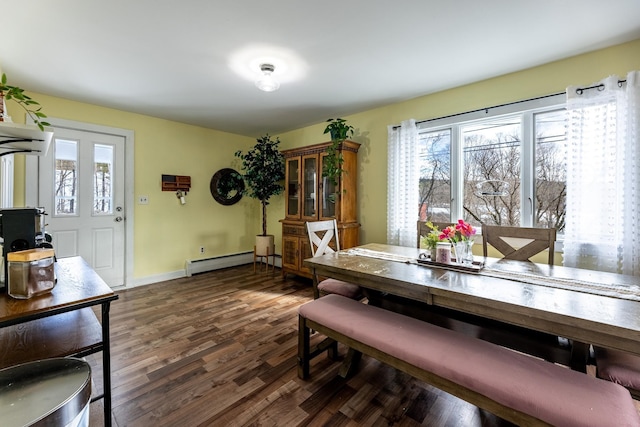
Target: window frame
<point>527,111</point>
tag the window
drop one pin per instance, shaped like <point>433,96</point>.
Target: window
<point>103,184</point>
<point>66,181</point>
<point>550,170</point>
<point>506,168</point>
<point>491,177</point>
<point>435,175</point>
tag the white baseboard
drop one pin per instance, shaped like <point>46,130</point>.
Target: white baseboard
<point>148,280</point>
<point>198,266</point>
<point>202,265</point>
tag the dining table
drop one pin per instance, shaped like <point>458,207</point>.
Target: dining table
<point>587,306</point>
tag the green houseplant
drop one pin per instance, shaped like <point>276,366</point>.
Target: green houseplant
<point>17,94</point>
<point>339,131</point>
<point>431,240</point>
<point>263,169</point>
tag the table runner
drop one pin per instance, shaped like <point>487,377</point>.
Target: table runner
<point>622,291</point>
<point>380,255</point>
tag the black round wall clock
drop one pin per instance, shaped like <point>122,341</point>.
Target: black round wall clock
<point>226,186</point>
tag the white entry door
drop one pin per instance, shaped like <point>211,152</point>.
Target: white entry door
<point>81,187</point>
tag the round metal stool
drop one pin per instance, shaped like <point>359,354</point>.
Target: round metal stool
<point>51,392</point>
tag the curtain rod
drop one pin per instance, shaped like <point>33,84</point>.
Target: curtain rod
<point>600,87</point>
<point>579,91</point>
<point>485,109</point>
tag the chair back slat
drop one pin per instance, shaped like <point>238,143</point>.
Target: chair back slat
<point>540,240</point>
<point>321,235</point>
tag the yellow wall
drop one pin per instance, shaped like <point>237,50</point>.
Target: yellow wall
<point>167,233</point>
<point>371,126</point>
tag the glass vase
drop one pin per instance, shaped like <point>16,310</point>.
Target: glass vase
<point>468,255</point>
<point>464,253</point>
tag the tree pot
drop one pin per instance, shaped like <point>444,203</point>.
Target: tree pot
<point>265,245</point>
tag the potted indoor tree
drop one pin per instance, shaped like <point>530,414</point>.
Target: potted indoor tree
<point>339,131</point>
<point>263,170</point>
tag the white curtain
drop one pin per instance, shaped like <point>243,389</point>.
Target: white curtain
<point>402,184</point>
<point>603,176</point>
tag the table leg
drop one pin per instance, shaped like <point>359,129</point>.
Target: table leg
<point>316,293</point>
<point>106,363</point>
<point>579,356</point>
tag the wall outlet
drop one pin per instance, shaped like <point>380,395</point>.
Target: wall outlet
<point>201,249</point>
<point>143,200</point>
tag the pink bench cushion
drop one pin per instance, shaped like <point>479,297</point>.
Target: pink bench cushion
<point>338,287</point>
<point>617,366</point>
<point>549,392</point>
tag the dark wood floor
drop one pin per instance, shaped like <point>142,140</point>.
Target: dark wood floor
<point>219,348</point>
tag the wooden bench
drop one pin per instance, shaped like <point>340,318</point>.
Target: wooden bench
<point>516,387</point>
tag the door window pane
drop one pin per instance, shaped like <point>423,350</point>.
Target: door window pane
<point>102,179</point>
<point>434,150</point>
<point>66,177</point>
<point>551,169</point>
<point>491,173</point>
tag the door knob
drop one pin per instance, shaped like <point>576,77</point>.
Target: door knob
<point>118,219</point>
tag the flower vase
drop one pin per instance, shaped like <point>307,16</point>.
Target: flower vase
<point>468,255</point>
<point>459,249</point>
<point>464,253</point>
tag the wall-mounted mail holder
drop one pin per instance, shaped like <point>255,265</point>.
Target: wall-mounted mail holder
<point>176,182</point>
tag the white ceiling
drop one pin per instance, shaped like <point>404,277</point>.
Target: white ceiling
<point>190,60</point>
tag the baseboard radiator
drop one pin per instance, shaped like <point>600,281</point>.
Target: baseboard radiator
<point>208,264</point>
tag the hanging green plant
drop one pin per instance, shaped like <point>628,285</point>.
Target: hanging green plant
<point>25,101</point>
<point>339,131</point>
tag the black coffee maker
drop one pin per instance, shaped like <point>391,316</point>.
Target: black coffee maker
<point>20,229</point>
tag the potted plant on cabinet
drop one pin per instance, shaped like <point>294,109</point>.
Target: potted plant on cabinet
<point>264,170</point>
<point>25,101</point>
<point>339,131</point>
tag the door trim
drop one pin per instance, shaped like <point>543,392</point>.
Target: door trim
<point>31,180</point>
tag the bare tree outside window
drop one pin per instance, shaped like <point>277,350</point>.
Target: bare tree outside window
<point>492,174</point>
<point>66,177</point>
<point>551,170</point>
<point>66,186</point>
<point>102,188</point>
<point>435,176</point>
<point>102,174</point>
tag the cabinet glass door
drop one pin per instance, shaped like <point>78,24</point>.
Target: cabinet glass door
<point>328,198</point>
<point>293,187</point>
<point>310,183</point>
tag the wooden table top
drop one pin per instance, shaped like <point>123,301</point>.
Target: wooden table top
<point>78,286</point>
<point>586,317</point>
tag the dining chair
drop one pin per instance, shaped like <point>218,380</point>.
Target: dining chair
<point>535,240</point>
<point>539,239</point>
<point>324,239</point>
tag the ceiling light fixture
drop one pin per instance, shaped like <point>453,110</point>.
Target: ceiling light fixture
<point>266,82</point>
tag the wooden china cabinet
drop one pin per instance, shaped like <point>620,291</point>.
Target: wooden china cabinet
<point>311,197</point>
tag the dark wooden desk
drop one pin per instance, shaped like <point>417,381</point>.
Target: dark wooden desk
<point>583,317</point>
<point>60,323</point>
